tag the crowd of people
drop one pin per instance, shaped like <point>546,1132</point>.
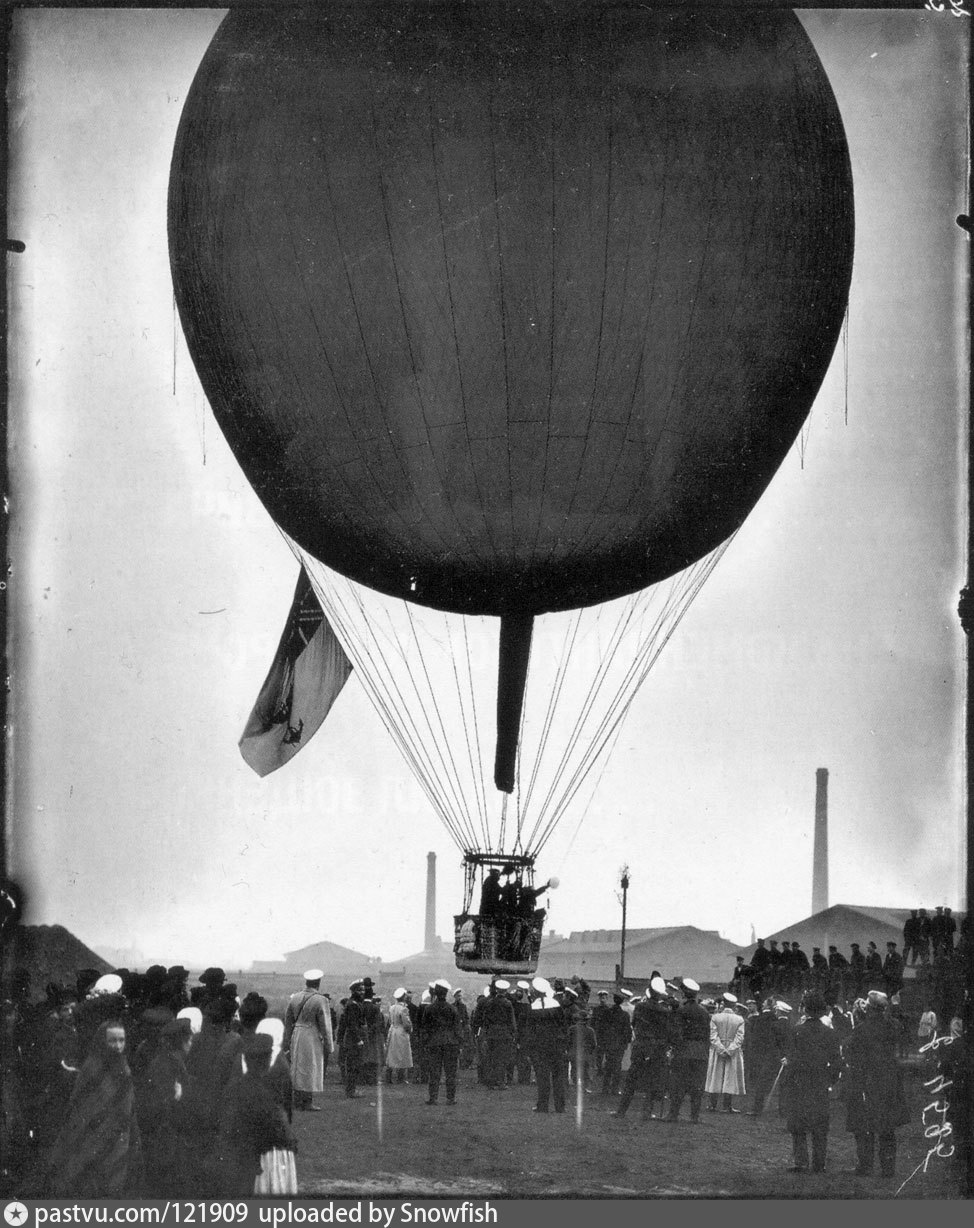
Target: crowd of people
<point>139,1083</point>
<point>929,946</point>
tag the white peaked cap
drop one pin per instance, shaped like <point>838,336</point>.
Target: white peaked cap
<point>313,974</point>
<point>398,993</point>
<point>111,982</point>
<point>729,997</point>
<point>658,985</point>
<point>195,1017</point>
<point>690,984</point>
<point>540,985</point>
<point>426,997</point>
<point>524,984</point>
<point>442,985</point>
<point>502,984</point>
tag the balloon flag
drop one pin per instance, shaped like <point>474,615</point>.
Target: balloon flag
<point>505,308</point>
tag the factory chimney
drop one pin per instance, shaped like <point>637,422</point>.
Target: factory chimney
<point>820,856</point>
<point>430,943</point>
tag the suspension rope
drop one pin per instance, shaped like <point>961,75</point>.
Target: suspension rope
<point>649,649</point>
<point>470,732</point>
<point>390,703</point>
<point>649,653</point>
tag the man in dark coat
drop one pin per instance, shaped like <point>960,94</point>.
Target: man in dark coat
<point>654,1032</point>
<point>691,1051</point>
<point>600,1013</point>
<point>522,1008</point>
<point>937,933</point>
<point>838,975</point>
<point>873,1088</point>
<point>820,971</point>
<point>767,1040</point>
<point>618,1033</point>
<point>892,970</point>
<point>857,972</point>
<point>442,1038</point>
<point>490,896</point>
<point>873,967</point>
<point>776,963</point>
<point>760,969</point>
<point>811,1067</point>
<point>353,1035</point>
<point>500,1033</point>
<point>911,938</point>
<point>548,1025</point>
<point>923,936</point>
<point>800,967</point>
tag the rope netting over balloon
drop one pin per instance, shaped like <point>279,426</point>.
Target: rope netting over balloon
<point>432,678</point>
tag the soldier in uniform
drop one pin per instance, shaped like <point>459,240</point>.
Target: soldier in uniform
<point>548,1028</point>
<point>307,1036</point>
<point>618,1033</point>
<point>442,1038</point>
<point>838,972</point>
<point>760,969</point>
<point>500,1032</point>
<point>600,1013</point>
<point>691,1051</point>
<point>654,1033</point>
<point>857,972</point>
<point>353,1034</point>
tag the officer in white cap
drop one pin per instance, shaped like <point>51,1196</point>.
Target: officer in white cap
<point>499,1029</point>
<point>521,1002</point>
<point>442,1039</point>
<point>617,1035</point>
<point>654,1033</point>
<point>307,1037</point>
<point>546,1039</point>
<point>725,1066</point>
<point>691,1051</point>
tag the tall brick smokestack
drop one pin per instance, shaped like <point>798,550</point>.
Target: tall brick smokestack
<point>820,857</point>
<point>430,942</point>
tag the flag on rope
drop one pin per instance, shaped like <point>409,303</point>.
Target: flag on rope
<point>309,669</point>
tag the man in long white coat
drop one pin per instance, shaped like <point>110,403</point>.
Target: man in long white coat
<point>307,1038</point>
<point>725,1066</point>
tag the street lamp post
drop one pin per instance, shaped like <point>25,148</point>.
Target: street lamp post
<point>624,882</point>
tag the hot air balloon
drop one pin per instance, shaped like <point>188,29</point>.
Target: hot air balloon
<point>508,312</point>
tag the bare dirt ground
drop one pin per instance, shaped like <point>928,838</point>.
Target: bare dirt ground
<point>492,1145</point>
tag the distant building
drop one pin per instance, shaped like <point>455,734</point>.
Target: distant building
<point>335,960</point>
<point>675,950</point>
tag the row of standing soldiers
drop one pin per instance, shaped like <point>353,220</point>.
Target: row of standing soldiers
<point>787,970</point>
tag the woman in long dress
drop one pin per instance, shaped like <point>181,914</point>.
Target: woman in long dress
<point>399,1050</point>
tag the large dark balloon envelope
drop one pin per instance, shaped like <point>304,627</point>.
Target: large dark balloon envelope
<point>510,308</point>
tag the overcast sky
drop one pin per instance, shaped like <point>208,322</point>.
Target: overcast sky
<point>150,586</point>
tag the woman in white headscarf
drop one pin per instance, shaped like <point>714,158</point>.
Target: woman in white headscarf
<point>279,1073</point>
